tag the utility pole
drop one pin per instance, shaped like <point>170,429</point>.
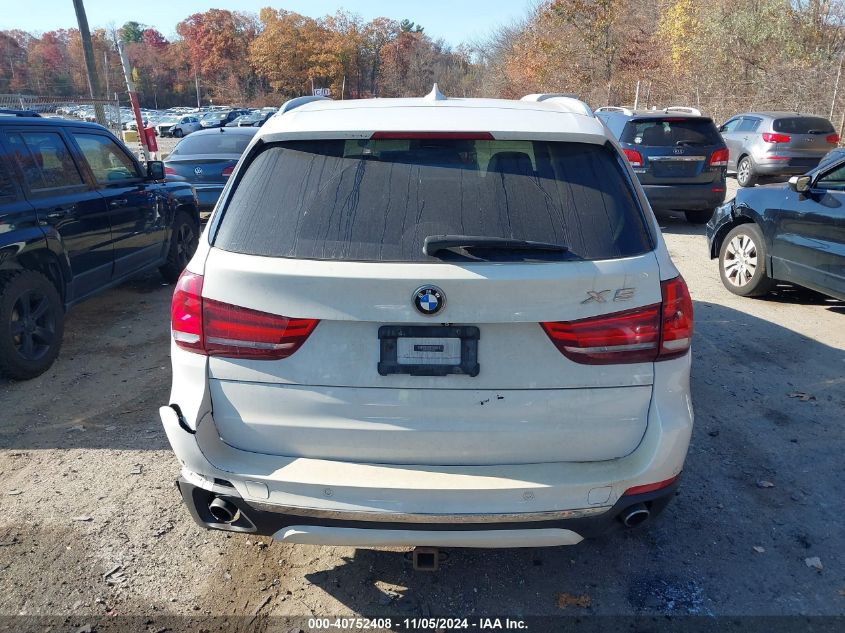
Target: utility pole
<point>90,64</point>
<point>197,83</point>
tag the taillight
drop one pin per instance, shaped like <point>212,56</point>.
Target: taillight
<point>676,322</point>
<point>228,171</point>
<point>238,332</point>
<point>170,171</point>
<point>771,137</point>
<point>719,158</point>
<point>622,337</point>
<point>186,312</point>
<point>656,332</point>
<point>214,328</point>
<point>833,139</point>
<point>634,157</point>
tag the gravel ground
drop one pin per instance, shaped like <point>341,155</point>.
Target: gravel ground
<point>91,524</point>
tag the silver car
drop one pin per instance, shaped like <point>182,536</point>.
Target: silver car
<point>771,144</point>
<point>178,126</point>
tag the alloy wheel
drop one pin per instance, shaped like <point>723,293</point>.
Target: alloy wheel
<point>740,261</point>
<point>184,241</point>
<point>33,325</point>
<point>744,171</point>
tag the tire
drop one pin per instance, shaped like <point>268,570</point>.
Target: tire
<point>745,176</point>
<point>31,324</point>
<point>699,217</point>
<point>183,245</point>
<point>742,262</point>
<point>178,133</point>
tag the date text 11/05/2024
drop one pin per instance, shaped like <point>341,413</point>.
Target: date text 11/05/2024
<point>416,624</point>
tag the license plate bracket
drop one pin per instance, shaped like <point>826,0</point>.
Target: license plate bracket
<point>416,350</point>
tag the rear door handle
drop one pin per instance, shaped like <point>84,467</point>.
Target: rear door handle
<point>120,202</point>
<point>60,212</point>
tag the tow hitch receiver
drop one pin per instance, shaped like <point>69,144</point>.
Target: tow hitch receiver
<point>426,558</point>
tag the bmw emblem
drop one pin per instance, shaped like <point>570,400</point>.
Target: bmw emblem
<point>429,300</point>
<point>198,171</point>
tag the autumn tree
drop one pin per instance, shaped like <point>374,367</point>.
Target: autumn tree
<point>14,69</point>
<point>219,42</point>
<point>283,51</point>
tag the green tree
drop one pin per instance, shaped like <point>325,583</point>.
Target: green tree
<point>131,32</point>
<point>406,26</point>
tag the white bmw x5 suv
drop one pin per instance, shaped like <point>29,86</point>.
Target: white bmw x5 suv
<point>432,321</point>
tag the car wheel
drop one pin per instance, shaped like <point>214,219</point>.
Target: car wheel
<point>178,133</point>
<point>699,217</point>
<point>31,324</point>
<point>183,245</point>
<point>745,175</point>
<point>742,262</point>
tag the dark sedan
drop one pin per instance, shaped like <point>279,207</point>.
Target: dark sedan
<point>207,158</point>
<point>792,232</point>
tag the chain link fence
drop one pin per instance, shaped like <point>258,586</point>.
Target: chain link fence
<point>106,112</point>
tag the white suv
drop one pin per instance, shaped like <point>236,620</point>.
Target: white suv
<point>432,321</point>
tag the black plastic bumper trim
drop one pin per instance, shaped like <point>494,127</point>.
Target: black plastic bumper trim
<point>267,523</point>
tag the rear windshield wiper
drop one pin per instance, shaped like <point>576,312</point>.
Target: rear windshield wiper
<point>695,143</point>
<point>433,244</point>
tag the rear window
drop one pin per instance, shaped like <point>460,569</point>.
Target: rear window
<point>803,125</point>
<point>377,200</point>
<point>671,131</point>
<point>217,143</point>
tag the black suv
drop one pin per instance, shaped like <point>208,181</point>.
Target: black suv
<point>78,214</point>
<point>678,155</point>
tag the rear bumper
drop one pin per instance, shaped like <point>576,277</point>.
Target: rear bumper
<point>339,527</point>
<point>207,196</point>
<point>790,167</point>
<point>685,197</point>
<point>301,499</point>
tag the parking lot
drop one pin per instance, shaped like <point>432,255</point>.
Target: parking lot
<point>92,524</point>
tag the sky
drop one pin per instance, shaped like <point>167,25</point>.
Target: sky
<point>455,21</point>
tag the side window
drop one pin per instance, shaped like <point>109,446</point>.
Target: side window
<point>107,160</point>
<point>833,179</point>
<point>749,124</point>
<point>731,125</point>
<point>45,161</point>
<point>7,185</point>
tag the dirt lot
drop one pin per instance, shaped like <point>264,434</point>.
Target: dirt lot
<point>91,524</point>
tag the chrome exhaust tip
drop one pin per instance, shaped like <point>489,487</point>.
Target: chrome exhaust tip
<point>636,515</point>
<point>223,511</point>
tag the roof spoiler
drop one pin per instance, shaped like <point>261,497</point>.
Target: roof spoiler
<point>685,109</point>
<point>566,101</point>
<point>625,111</point>
<point>289,105</point>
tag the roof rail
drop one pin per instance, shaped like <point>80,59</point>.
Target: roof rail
<point>688,110</point>
<point>568,102</point>
<point>23,113</point>
<point>289,105</point>
<point>626,111</point>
